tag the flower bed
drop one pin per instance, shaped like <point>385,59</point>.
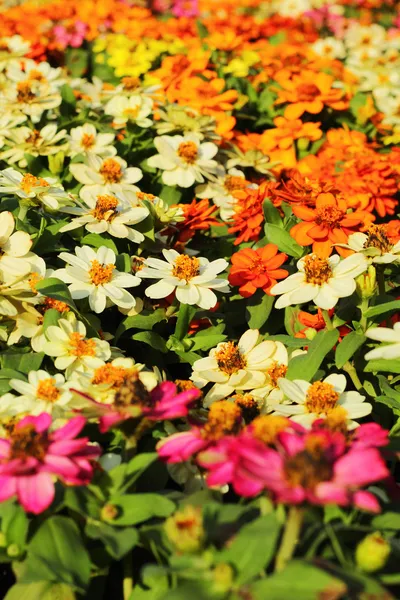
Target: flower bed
<point>199,275</point>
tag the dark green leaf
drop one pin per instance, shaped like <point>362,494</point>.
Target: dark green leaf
<point>271,213</point>
<point>306,365</point>
<point>51,317</point>
<point>152,339</point>
<point>41,590</point>
<point>56,289</point>
<point>387,307</point>
<point>136,508</point>
<point>117,542</point>
<point>258,309</point>
<point>30,361</point>
<point>283,239</point>
<point>388,366</point>
<point>347,347</point>
<point>96,241</point>
<point>185,315</point>
<point>141,321</point>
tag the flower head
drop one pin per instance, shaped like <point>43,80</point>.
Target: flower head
<point>255,269</point>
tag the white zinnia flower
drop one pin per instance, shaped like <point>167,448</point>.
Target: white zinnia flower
<point>133,109</point>
<point>41,72</point>
<point>15,258</point>
<point>390,337</point>
<point>375,245</point>
<point>321,280</point>
<point>86,140</point>
<point>317,400</point>
<point>232,366</point>
<point>191,278</point>
<point>43,392</point>
<point>30,98</point>
<point>24,140</point>
<point>184,159</point>
<point>73,351</point>
<point>34,190</point>
<point>12,50</point>
<point>92,274</point>
<point>112,173</point>
<point>220,188</point>
<point>112,213</point>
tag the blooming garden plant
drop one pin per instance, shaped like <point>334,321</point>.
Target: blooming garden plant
<point>199,299</point>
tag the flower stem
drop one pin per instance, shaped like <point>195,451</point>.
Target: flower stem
<point>349,368</point>
<point>380,277</point>
<point>290,537</point>
<point>23,209</point>
<point>363,308</point>
<point>327,319</point>
<point>127,584</point>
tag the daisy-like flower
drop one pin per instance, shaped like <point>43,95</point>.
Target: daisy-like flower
<point>391,342</point>
<point>92,274</point>
<point>191,278</point>
<point>86,140</point>
<point>375,245</point>
<point>112,213</point>
<point>12,49</point>
<point>15,256</point>
<point>41,72</point>
<point>132,109</point>
<point>30,98</point>
<point>220,190</point>
<point>235,366</point>
<point>34,191</point>
<point>112,173</point>
<point>72,350</point>
<point>184,159</point>
<point>257,269</point>
<point>8,122</point>
<point>174,118</point>
<point>24,140</point>
<point>14,291</point>
<point>320,280</point>
<point>311,401</point>
<point>43,393</point>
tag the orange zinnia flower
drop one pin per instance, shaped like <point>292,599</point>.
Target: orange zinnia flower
<point>255,269</point>
<point>249,217</point>
<point>309,92</point>
<point>325,225</point>
<point>198,216</point>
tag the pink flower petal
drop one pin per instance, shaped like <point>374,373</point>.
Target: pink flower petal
<point>366,501</point>
<point>70,430</point>
<point>8,487</point>
<point>35,492</point>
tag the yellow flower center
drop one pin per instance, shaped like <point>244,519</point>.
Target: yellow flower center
<point>87,140</point>
<point>317,270</point>
<point>36,75</point>
<point>188,152</point>
<point>111,171</point>
<point>100,274</point>
<point>79,346</point>
<point>47,390</point>
<point>229,358</point>
<point>329,216</point>
<point>321,398</point>
<point>24,92</point>
<point>275,371</point>
<point>26,442</point>
<point>186,267</point>
<point>33,138</point>
<point>377,238</point>
<point>248,406</point>
<point>233,183</point>
<point>61,307</point>
<point>337,419</point>
<point>132,113</point>
<point>105,208</point>
<point>144,196</point>
<point>33,281</point>
<point>130,83</point>
<point>224,418</point>
<point>267,427</point>
<point>183,385</point>
<point>111,374</point>
<point>29,181</point>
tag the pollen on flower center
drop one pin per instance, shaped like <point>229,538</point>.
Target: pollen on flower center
<point>229,358</point>
<point>188,152</point>
<point>33,281</point>
<point>110,374</point>
<point>336,420</point>
<point>329,216</point>
<point>36,75</point>
<point>233,183</point>
<point>266,428</point>
<point>111,171</point>
<point>132,393</point>
<point>33,138</point>
<point>105,208</point>
<point>248,405</point>
<point>100,274</point>
<point>78,346</point>
<point>321,398</point>
<point>47,390</point>
<point>24,92</point>
<point>317,270</point>
<point>27,442</point>
<point>132,112</point>
<point>186,267</point>
<point>377,238</point>
<point>275,371</point>
<point>28,182</point>
<point>307,92</point>
<point>87,140</point>
<point>58,305</point>
<point>224,418</point>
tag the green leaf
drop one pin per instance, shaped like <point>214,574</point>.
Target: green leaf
<point>387,307</point>
<point>201,30</point>
<point>252,548</point>
<point>30,361</point>
<point>136,508</point>
<point>83,501</point>
<point>41,590</point>
<point>283,239</point>
<point>289,341</point>
<point>306,365</point>
<point>6,375</point>
<point>347,347</point>
<point>57,553</point>
<point>171,195</point>
<point>123,263</point>
<point>14,524</point>
<point>301,581</point>
<point>258,309</point>
<point>151,339</point>
<point>56,289</point>
<point>117,542</point>
<point>271,213</point>
<point>51,317</point>
<point>388,366</point>
<point>125,475</point>
<point>68,104</point>
<point>141,321</point>
<point>206,342</point>
<point>96,241</point>
<point>76,61</point>
<point>185,316</point>
<point>389,520</point>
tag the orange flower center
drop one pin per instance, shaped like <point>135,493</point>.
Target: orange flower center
<point>29,181</point>
<point>229,358</point>
<point>33,138</point>
<point>100,274</point>
<point>105,208</point>
<point>275,371</point>
<point>87,140</point>
<point>36,75</point>
<point>132,113</point>
<point>78,346</point>
<point>321,398</point>
<point>377,238</point>
<point>33,281</point>
<point>111,171</point>
<point>267,427</point>
<point>184,384</point>
<point>47,390</point>
<point>329,216</point>
<point>188,152</point>
<point>336,420</point>
<point>24,92</point>
<point>307,92</point>
<point>27,442</point>
<point>144,196</point>
<point>132,393</point>
<point>224,418</point>
<point>56,304</point>
<point>248,406</point>
<point>130,83</point>
<point>186,267</point>
<point>317,270</point>
<point>111,374</point>
<point>233,183</point>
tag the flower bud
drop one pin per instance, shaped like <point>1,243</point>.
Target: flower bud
<point>185,529</point>
<point>303,143</point>
<point>56,163</point>
<point>223,578</point>
<point>109,512</point>
<point>372,552</point>
<point>366,283</point>
<point>13,550</point>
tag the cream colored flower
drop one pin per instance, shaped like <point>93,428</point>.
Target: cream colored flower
<point>34,191</point>
<point>12,49</point>
<point>24,140</point>
<point>182,119</point>
<point>112,173</point>
<point>43,393</point>
<point>29,97</point>
<point>391,340</point>
<point>219,189</point>
<point>39,72</point>
<point>132,109</point>
<point>375,245</point>
<point>15,256</point>
<point>85,140</point>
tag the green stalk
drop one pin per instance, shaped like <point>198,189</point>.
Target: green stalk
<point>290,537</point>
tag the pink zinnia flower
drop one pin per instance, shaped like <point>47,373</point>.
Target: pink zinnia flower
<point>185,8</point>
<point>33,457</point>
<point>72,35</point>
<point>132,400</point>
